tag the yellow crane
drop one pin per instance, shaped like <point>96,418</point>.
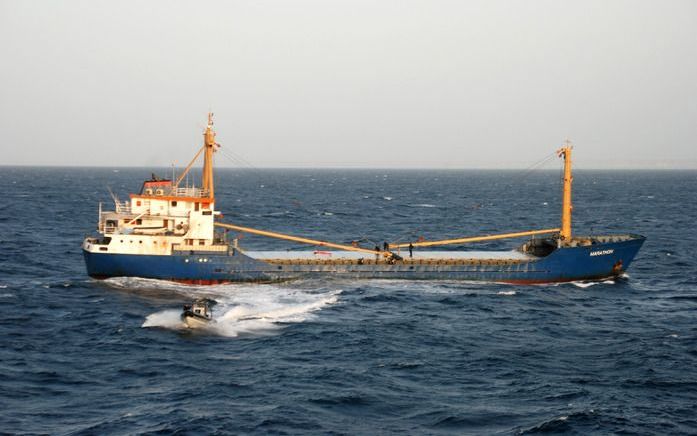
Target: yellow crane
<point>385,253</point>
<point>209,147</point>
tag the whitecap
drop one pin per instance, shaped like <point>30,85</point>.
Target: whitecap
<point>387,198</point>
<point>506,293</point>
<point>7,295</point>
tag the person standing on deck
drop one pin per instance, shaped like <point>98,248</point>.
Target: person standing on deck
<point>411,250</point>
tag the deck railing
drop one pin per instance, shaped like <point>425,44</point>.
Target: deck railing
<point>123,206</point>
<point>190,192</point>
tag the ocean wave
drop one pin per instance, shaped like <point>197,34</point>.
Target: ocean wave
<point>427,205</point>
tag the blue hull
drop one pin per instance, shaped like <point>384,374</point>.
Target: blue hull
<point>593,262</point>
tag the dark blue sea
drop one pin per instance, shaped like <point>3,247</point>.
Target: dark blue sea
<point>82,356</point>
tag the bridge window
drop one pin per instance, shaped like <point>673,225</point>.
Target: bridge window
<point>174,204</point>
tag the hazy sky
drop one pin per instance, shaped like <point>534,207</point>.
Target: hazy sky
<point>449,84</point>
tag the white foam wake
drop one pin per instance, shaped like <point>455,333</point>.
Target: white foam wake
<point>165,319</point>
<point>244,310</point>
<point>585,285</point>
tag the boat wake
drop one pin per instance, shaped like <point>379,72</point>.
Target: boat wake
<point>588,284</point>
<point>248,310</point>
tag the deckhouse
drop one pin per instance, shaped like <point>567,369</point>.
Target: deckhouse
<point>164,217</point>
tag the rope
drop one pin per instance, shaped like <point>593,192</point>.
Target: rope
<point>242,162</point>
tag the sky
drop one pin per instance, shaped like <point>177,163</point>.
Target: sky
<point>349,84</point>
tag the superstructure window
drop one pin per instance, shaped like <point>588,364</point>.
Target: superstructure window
<point>174,204</point>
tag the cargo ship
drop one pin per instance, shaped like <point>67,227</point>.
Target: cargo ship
<point>173,232</point>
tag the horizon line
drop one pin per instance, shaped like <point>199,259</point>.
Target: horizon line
<point>427,168</point>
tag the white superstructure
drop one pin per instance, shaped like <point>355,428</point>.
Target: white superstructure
<point>163,217</point>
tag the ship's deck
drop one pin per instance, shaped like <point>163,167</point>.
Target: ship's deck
<point>418,255</point>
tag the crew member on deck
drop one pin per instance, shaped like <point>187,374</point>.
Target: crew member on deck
<point>411,250</point>
<point>385,246</point>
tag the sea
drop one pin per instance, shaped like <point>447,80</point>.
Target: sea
<point>84,356</point>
